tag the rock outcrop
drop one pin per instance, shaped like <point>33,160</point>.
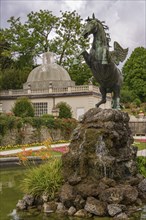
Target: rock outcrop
<point>100,169</point>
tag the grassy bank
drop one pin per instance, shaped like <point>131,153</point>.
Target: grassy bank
<point>140,145</point>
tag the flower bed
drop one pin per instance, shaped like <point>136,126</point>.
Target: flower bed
<point>18,146</point>
<point>43,153</point>
<point>61,149</point>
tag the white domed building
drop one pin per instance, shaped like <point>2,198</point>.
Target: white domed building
<point>49,73</point>
<point>49,84</point>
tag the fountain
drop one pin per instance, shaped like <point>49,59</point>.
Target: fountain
<point>100,170</point>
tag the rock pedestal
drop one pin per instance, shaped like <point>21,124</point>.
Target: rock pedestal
<point>100,171</point>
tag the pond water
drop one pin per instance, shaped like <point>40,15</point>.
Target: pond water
<point>10,193</point>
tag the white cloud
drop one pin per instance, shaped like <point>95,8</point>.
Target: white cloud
<point>125,18</point>
<point>73,5</point>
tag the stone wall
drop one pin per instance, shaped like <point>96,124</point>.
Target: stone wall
<point>28,134</point>
<point>138,127</point>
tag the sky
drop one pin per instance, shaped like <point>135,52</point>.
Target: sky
<point>126,19</point>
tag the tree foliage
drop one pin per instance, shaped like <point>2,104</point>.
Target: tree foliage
<point>13,78</point>
<point>23,108</point>
<point>23,43</point>
<point>134,72</point>
<point>80,72</point>
<point>5,59</point>
<point>68,41</point>
<point>40,25</point>
<point>64,110</point>
<point>20,41</point>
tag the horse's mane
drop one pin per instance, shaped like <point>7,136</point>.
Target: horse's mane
<point>105,27</point>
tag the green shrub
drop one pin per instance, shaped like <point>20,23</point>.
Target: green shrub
<point>67,125</point>
<point>127,96</point>
<point>11,122</point>
<point>64,110</point>
<point>45,116</point>
<point>23,107</point>
<point>37,122</point>
<point>46,178</point>
<point>137,102</point>
<point>7,122</point>
<point>141,163</point>
<point>19,123</point>
<point>27,120</point>
<point>3,124</point>
<point>49,123</point>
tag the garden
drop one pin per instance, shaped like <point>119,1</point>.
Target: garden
<point>45,180</point>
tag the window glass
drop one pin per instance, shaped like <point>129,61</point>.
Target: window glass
<point>40,108</point>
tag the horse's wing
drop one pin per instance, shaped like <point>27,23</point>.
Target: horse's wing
<point>119,54</point>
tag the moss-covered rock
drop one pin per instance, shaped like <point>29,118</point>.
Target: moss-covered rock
<point>101,163</point>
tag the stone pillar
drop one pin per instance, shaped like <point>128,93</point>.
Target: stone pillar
<point>69,89</point>
<point>10,92</point>
<point>90,87</point>
<point>29,89</point>
<point>48,58</point>
<point>1,107</point>
<point>50,87</point>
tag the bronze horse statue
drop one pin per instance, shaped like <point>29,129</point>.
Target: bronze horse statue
<point>102,62</point>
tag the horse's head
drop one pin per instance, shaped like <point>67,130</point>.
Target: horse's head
<point>90,27</point>
<point>93,26</point>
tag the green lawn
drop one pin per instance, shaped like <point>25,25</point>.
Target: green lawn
<point>140,145</point>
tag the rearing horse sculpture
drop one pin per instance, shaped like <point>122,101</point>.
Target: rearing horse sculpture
<point>102,62</point>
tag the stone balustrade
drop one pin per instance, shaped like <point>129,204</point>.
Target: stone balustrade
<point>77,89</point>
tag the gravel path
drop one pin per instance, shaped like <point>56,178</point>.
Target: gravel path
<point>8,152</point>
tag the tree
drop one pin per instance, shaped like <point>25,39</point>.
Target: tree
<point>5,59</point>
<point>68,41</point>
<point>134,72</point>
<point>40,25</point>
<point>127,95</point>
<point>20,41</point>
<point>12,73</point>
<point>27,41</point>
<point>13,78</point>
<point>64,110</point>
<point>80,73</point>
<point>23,108</point>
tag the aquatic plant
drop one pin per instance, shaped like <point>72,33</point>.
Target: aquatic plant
<point>46,178</point>
<point>141,163</point>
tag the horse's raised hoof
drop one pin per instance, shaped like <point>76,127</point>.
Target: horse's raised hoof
<point>96,106</point>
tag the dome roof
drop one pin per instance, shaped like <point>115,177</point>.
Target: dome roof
<point>48,73</point>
